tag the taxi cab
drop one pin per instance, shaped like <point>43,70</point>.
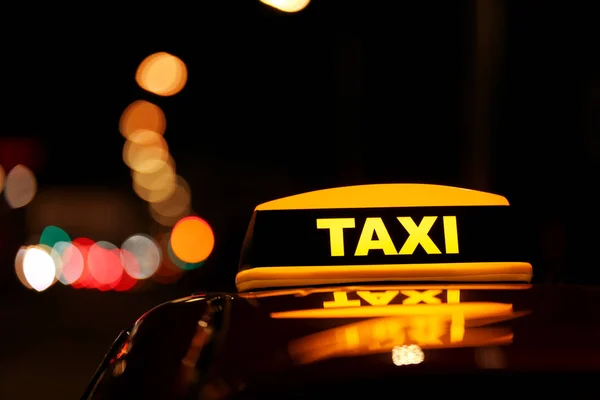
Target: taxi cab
<point>373,291</point>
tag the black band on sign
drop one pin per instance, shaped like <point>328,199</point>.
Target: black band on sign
<point>379,236</point>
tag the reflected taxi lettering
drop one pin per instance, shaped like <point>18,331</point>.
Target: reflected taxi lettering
<point>423,330</point>
<point>418,235</point>
<point>408,297</point>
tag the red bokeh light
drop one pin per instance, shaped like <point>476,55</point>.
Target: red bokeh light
<point>86,280</point>
<point>127,282</point>
<point>104,265</point>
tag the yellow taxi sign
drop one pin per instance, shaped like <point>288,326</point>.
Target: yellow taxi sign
<point>385,195</point>
<point>393,232</point>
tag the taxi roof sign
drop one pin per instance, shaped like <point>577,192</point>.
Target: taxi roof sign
<point>385,232</point>
<point>385,195</point>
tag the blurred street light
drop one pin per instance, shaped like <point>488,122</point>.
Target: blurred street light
<point>20,186</point>
<point>162,74</point>
<point>142,115</point>
<point>289,6</point>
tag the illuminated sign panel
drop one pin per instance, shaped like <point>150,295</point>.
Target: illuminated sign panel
<point>383,236</point>
<point>382,232</point>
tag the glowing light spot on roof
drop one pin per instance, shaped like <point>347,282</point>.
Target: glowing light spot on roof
<point>407,355</point>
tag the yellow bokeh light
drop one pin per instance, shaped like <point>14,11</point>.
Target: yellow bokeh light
<point>162,73</point>
<point>192,240</point>
<point>290,6</point>
<point>145,151</point>
<point>160,193</point>
<point>178,205</point>
<point>142,115</point>
<point>157,195</point>
<point>157,180</point>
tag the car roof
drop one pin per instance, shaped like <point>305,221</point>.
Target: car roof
<point>254,347</point>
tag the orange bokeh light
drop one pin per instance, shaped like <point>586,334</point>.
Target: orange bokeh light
<point>162,74</point>
<point>142,115</point>
<point>192,239</point>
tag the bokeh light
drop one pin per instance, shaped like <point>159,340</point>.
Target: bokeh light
<point>162,73</point>
<point>52,235</point>
<point>178,205</point>
<point>69,262</point>
<point>132,269</point>
<point>145,151</point>
<point>153,196</point>
<point>182,265</point>
<point>159,179</point>
<point>290,6</point>
<point>140,256</point>
<point>19,267</point>
<point>142,115</point>
<point>20,186</point>
<point>104,263</point>
<point>38,268</point>
<point>192,239</point>
<point>85,263</point>
<point>167,272</point>
<point>52,255</point>
<point>86,280</point>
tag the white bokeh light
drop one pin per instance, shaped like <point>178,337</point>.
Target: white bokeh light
<point>147,254</point>
<point>39,268</point>
<point>68,261</point>
<point>290,6</point>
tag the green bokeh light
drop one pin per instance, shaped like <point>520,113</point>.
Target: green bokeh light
<point>52,235</point>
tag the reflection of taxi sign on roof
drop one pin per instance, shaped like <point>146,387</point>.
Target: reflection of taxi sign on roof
<point>387,232</point>
<point>400,317</point>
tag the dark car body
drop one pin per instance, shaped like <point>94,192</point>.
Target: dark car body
<point>472,340</point>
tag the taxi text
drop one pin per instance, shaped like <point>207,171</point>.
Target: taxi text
<point>418,235</point>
